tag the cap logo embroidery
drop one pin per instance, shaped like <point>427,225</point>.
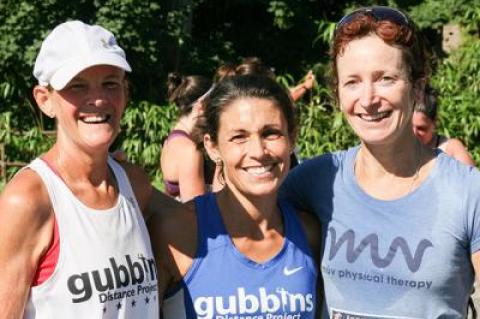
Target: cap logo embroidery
<point>105,43</point>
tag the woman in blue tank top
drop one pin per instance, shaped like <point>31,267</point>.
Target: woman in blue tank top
<point>242,253</point>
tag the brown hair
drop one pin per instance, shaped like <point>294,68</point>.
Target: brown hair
<point>248,66</point>
<point>404,37</point>
<point>245,86</point>
<point>184,91</point>
<point>429,107</point>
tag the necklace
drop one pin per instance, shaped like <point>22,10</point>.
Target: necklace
<point>404,183</point>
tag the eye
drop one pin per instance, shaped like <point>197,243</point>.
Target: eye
<point>350,83</point>
<point>387,80</point>
<point>76,86</point>
<point>238,138</point>
<point>111,84</point>
<point>272,134</point>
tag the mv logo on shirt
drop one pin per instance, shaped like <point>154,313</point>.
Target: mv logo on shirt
<point>413,261</point>
<point>135,276</point>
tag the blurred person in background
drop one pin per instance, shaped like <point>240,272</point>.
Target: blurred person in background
<point>182,162</point>
<point>425,125</point>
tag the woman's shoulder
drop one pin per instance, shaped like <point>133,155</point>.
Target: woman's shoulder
<point>455,148</point>
<point>179,147</point>
<point>454,172</point>
<point>322,167</point>
<point>27,193</point>
<point>27,208</point>
<point>179,137</point>
<point>333,159</point>
<point>140,183</point>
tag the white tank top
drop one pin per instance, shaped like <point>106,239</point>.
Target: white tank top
<point>105,267</point>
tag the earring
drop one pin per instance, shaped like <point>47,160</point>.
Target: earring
<point>218,161</point>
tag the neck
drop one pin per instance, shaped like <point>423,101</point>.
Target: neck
<point>434,141</point>
<point>186,123</point>
<point>403,162</point>
<point>78,167</point>
<point>389,172</point>
<point>243,214</point>
<point>402,159</point>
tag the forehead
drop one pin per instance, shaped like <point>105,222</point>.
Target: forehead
<point>369,53</point>
<point>420,118</point>
<point>100,71</point>
<point>249,112</point>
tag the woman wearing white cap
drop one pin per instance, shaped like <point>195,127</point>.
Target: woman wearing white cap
<point>73,243</point>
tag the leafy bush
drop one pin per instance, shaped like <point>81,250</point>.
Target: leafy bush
<point>144,128</point>
<point>458,82</point>
<point>160,36</point>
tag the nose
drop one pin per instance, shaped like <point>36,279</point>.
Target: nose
<point>368,95</point>
<point>256,147</point>
<point>96,97</point>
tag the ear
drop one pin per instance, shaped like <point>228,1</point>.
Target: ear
<point>211,148</point>
<point>198,108</point>
<point>42,95</point>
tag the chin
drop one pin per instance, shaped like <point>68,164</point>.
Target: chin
<point>378,136</point>
<point>263,190</point>
<point>99,146</point>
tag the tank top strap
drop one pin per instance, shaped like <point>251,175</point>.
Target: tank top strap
<point>124,185</point>
<point>178,133</point>
<point>294,231</point>
<point>50,179</point>
<point>209,221</point>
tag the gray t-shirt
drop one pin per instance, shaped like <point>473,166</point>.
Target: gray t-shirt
<point>404,258</point>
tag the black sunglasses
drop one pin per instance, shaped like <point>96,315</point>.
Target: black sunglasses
<point>380,13</point>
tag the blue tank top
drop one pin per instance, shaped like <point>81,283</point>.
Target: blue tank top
<point>222,283</point>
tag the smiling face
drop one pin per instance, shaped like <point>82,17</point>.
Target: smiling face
<point>374,90</point>
<point>89,108</point>
<point>254,144</point>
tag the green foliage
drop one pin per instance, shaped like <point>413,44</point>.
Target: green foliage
<point>458,82</point>
<point>195,36</point>
<point>144,127</point>
<point>282,14</point>
<point>323,127</point>
<point>465,12</point>
<point>22,146</point>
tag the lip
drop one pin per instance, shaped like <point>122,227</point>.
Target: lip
<point>376,117</point>
<point>260,170</point>
<point>95,118</point>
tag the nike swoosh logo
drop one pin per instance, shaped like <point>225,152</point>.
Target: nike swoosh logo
<point>289,272</point>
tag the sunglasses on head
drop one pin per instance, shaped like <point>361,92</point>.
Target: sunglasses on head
<point>379,13</point>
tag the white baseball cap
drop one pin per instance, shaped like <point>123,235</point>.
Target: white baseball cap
<point>72,47</point>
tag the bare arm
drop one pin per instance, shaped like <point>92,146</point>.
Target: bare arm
<point>312,229</point>
<point>141,186</point>
<point>298,91</point>
<point>456,149</point>
<point>26,231</point>
<point>476,264</point>
<point>174,243</point>
<point>191,179</point>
